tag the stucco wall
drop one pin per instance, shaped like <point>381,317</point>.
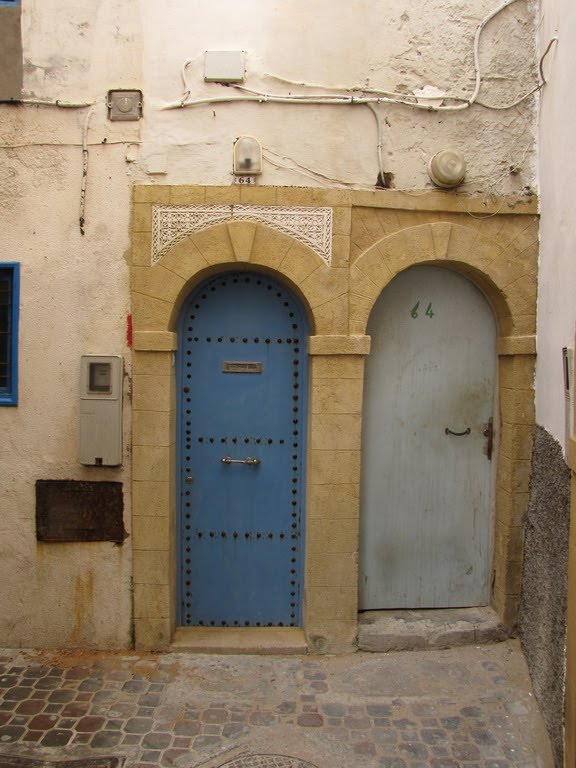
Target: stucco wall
<point>74,300</point>
<point>395,46</point>
<point>545,641</point>
<point>556,308</point>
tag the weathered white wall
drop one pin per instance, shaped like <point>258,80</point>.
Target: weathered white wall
<point>74,300</point>
<point>74,294</point>
<point>557,284</point>
<point>399,45</point>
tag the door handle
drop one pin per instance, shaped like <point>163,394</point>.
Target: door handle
<point>448,431</point>
<point>249,460</point>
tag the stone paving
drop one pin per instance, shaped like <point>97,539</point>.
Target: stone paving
<point>469,707</point>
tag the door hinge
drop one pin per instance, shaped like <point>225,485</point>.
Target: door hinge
<point>489,435</point>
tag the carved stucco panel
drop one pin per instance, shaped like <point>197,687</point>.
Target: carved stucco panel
<point>173,223</point>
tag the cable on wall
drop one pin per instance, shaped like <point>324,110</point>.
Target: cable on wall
<point>55,103</point>
<point>362,95</point>
<point>366,96</point>
<point>290,164</point>
<point>381,181</point>
<point>82,215</point>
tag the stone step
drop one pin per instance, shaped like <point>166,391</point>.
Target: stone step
<point>403,630</point>
<point>258,640</point>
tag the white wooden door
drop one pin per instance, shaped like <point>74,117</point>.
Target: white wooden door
<point>426,492</point>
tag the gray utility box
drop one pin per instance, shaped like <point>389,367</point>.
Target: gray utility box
<point>101,410</point>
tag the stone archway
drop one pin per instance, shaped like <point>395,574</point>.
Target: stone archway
<point>508,281</point>
<point>158,292</point>
<point>374,236</point>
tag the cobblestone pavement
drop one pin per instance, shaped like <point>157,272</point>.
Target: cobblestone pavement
<point>469,707</point>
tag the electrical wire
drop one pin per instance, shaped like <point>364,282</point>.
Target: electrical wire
<point>51,103</point>
<point>543,57</point>
<point>82,218</point>
<point>379,145</point>
<point>358,88</point>
<point>375,96</point>
<point>277,160</point>
<point>267,98</point>
<point>330,99</point>
<point>67,144</point>
<point>537,88</point>
<point>186,64</point>
<point>476,47</point>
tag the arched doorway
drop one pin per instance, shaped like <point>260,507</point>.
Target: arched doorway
<point>426,490</point>
<point>241,422</point>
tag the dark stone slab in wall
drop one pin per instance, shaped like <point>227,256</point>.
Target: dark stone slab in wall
<point>542,621</point>
<point>79,510</point>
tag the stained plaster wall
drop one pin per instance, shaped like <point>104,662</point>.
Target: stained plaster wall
<point>74,296</point>
<point>398,46</point>
<point>556,328</point>
<point>74,300</point>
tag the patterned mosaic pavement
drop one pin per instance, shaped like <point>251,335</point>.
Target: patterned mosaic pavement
<point>470,707</point>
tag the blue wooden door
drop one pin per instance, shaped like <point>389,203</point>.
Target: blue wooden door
<point>242,379</point>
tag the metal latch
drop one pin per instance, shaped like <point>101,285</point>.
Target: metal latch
<point>489,435</point>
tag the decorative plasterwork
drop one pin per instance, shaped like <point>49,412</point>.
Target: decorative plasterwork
<point>310,226</point>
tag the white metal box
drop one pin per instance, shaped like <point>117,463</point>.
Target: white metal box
<point>101,410</point>
<point>224,66</point>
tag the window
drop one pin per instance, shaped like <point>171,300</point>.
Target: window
<point>9,292</point>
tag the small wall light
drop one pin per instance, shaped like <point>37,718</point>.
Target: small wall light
<point>247,156</point>
<point>447,169</point>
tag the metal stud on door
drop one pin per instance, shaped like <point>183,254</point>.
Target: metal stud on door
<point>242,395</point>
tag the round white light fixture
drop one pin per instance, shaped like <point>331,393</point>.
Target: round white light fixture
<point>447,169</point>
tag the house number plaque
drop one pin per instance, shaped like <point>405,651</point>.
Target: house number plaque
<point>239,367</point>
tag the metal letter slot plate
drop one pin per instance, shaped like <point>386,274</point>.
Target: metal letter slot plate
<point>241,367</point>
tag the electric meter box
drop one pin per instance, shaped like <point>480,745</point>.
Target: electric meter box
<point>224,66</point>
<point>101,410</point>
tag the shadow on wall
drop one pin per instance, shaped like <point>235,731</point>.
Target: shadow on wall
<point>11,71</point>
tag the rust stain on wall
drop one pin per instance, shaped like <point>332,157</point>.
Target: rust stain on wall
<point>83,605</point>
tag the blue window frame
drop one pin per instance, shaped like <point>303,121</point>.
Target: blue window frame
<point>9,2</point>
<point>9,302</point>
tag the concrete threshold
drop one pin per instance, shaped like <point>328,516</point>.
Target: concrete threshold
<point>402,630</point>
<point>239,640</point>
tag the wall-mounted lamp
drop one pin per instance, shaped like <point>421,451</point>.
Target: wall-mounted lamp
<point>247,156</point>
<point>447,169</point>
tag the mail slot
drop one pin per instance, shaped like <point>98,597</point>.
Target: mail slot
<point>241,367</point>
